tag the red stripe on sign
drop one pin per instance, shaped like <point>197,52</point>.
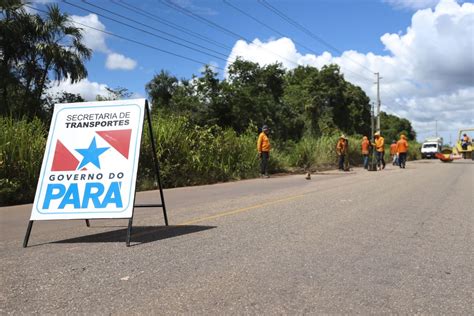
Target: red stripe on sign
<point>120,140</point>
<point>63,159</point>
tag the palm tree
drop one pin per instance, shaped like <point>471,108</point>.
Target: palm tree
<point>36,49</point>
<point>161,89</point>
<point>60,48</point>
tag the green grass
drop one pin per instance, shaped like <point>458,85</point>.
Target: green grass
<point>22,146</point>
<point>188,155</point>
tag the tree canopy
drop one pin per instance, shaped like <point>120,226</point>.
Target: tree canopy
<point>393,126</point>
<point>34,50</point>
<point>291,102</point>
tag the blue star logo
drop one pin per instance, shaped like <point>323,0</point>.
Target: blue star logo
<point>91,154</point>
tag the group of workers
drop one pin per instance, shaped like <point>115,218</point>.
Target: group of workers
<point>398,151</point>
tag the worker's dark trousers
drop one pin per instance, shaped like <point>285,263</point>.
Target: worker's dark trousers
<point>341,162</point>
<point>402,158</point>
<point>264,162</point>
<point>380,159</point>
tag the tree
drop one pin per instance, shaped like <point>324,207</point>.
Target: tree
<point>357,108</point>
<point>60,97</point>
<point>118,93</point>
<point>304,100</point>
<point>161,89</point>
<point>393,126</point>
<point>255,93</point>
<point>325,101</point>
<point>34,51</point>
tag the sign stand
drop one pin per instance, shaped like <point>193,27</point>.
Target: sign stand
<point>157,179</point>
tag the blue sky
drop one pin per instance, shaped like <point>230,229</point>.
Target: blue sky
<point>345,24</point>
<point>422,49</point>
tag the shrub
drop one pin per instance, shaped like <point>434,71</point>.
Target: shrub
<point>188,155</point>
<point>414,151</point>
<point>191,155</point>
<point>312,153</point>
<point>22,144</point>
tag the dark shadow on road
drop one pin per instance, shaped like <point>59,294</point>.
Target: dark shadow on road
<point>140,234</point>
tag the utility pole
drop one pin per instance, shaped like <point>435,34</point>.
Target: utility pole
<point>378,100</point>
<point>372,122</point>
<point>373,161</point>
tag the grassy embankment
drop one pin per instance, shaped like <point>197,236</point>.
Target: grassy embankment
<point>189,155</point>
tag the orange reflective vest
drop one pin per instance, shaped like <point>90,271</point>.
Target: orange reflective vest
<point>341,146</point>
<point>263,143</point>
<point>365,146</point>
<point>402,146</point>
<point>379,144</point>
<point>393,149</point>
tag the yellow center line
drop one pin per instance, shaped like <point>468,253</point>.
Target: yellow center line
<point>240,210</point>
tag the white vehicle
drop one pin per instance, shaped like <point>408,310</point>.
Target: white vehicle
<point>431,146</point>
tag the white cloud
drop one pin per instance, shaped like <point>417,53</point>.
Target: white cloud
<point>93,39</point>
<point>428,71</point>
<point>118,61</point>
<point>87,89</point>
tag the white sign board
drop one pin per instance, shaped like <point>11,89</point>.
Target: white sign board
<point>90,162</point>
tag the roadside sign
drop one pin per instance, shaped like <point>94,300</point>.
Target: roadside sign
<point>90,163</point>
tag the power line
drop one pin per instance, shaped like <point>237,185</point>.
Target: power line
<point>153,28</point>
<point>166,33</point>
<point>220,28</point>
<point>177,7</point>
<point>305,30</point>
<point>168,23</point>
<point>133,41</point>
<point>259,22</point>
<point>314,36</point>
<point>281,34</point>
<point>145,31</point>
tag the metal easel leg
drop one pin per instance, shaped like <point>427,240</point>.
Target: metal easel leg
<point>28,232</point>
<point>129,231</point>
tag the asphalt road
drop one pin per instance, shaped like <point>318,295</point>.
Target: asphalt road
<point>395,241</point>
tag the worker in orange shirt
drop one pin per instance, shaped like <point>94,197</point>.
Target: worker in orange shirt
<point>263,148</point>
<point>402,150</point>
<point>365,146</point>
<point>379,150</point>
<point>341,150</point>
<point>393,153</point>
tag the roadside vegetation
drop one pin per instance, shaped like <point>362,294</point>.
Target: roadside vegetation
<point>205,127</point>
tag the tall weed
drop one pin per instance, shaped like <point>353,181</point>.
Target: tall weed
<point>22,145</point>
<point>312,153</point>
<point>188,155</point>
<point>191,155</point>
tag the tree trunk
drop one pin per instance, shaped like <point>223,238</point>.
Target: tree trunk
<point>40,87</point>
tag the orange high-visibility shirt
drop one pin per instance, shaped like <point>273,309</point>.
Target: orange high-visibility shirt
<point>341,146</point>
<point>263,143</point>
<point>393,149</point>
<point>365,147</point>
<point>379,144</point>
<point>402,146</point>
